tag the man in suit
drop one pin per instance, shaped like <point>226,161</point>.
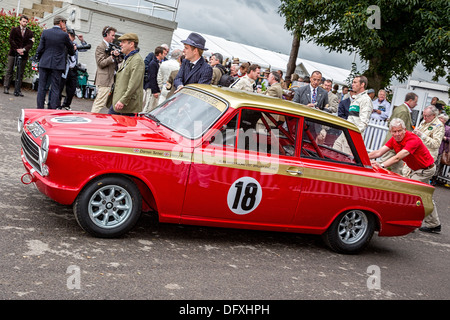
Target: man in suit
<point>333,99</point>
<point>403,111</point>
<point>106,68</point>
<point>312,95</point>
<point>52,54</point>
<point>20,41</point>
<point>128,94</point>
<point>274,89</point>
<point>194,69</point>
<point>216,62</point>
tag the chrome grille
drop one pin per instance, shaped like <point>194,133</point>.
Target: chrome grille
<point>31,151</point>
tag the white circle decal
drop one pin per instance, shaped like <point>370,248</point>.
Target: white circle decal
<point>244,195</point>
<point>70,119</point>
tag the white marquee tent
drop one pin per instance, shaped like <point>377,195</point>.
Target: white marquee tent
<point>265,58</point>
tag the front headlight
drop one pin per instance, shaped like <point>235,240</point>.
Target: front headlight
<point>20,121</point>
<point>43,150</point>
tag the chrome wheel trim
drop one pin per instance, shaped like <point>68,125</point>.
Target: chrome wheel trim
<point>353,226</point>
<point>110,206</point>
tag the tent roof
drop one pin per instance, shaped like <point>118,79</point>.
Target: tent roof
<point>265,58</point>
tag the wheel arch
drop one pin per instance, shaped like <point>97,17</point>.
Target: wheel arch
<point>371,211</point>
<point>337,230</point>
<point>149,202</point>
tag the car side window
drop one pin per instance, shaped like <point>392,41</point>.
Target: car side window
<point>226,135</point>
<point>327,142</point>
<point>266,132</point>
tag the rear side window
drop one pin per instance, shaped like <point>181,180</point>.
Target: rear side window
<point>266,132</point>
<point>260,131</point>
<point>327,142</point>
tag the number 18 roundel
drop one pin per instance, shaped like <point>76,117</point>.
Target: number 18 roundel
<point>244,195</point>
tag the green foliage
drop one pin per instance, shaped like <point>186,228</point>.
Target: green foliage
<point>411,32</point>
<point>9,20</point>
<point>447,110</point>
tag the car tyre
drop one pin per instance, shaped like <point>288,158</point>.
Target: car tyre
<point>108,207</point>
<point>350,232</point>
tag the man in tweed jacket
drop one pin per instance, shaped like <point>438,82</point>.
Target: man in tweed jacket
<point>128,94</point>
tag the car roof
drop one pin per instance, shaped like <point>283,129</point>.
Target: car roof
<point>239,98</point>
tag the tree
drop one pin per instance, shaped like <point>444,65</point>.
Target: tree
<point>290,69</point>
<point>392,36</point>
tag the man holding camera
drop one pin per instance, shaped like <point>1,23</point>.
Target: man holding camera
<point>21,41</point>
<point>107,61</point>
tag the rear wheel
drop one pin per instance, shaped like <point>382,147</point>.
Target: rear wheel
<point>350,232</point>
<point>108,207</point>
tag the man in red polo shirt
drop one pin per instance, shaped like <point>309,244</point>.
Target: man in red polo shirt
<point>410,148</point>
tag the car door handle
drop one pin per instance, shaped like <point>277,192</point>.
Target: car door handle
<point>294,172</point>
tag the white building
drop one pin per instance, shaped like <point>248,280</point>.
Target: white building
<point>90,17</point>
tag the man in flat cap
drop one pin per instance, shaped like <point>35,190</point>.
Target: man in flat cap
<point>194,68</point>
<point>52,51</point>
<point>128,94</point>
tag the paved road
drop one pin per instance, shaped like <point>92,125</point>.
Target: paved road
<point>45,254</point>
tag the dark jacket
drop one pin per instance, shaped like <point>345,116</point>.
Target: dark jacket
<point>53,48</point>
<point>344,105</point>
<point>16,41</point>
<point>201,73</point>
<point>151,82</point>
<point>303,96</point>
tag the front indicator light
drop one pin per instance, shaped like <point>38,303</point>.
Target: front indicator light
<point>43,150</point>
<point>20,121</point>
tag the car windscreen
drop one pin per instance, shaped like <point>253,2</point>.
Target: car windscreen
<point>189,112</point>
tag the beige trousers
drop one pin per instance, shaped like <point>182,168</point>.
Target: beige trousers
<point>101,99</point>
<point>150,102</point>
<point>396,167</point>
<point>425,175</point>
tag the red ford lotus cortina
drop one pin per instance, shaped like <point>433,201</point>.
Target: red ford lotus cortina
<point>224,158</point>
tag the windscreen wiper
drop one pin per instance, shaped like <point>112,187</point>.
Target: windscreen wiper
<point>153,117</point>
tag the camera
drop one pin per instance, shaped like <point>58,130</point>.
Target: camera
<point>83,47</point>
<point>113,47</point>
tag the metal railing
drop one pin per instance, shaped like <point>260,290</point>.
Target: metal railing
<point>152,8</point>
<point>375,134</point>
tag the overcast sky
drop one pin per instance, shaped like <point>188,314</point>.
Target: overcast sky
<point>257,23</point>
<point>252,22</point>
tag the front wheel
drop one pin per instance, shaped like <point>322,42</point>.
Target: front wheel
<point>108,207</point>
<point>350,232</point>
